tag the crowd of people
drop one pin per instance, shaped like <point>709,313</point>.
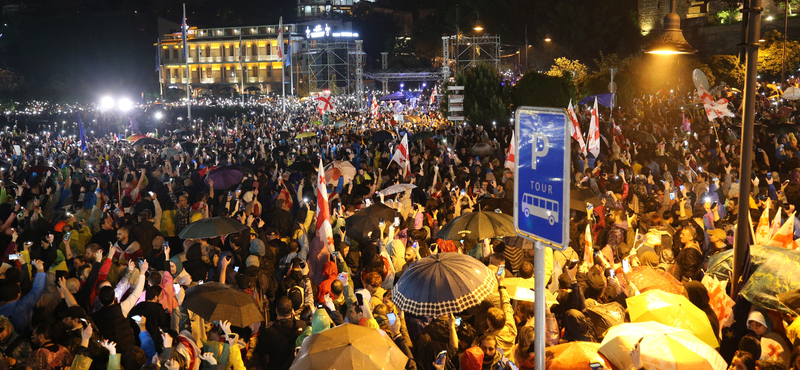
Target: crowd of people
<point>95,272</point>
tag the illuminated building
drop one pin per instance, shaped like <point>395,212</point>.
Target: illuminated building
<point>213,55</point>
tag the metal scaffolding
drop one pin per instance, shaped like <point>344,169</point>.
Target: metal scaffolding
<point>459,52</point>
<point>334,65</point>
<point>406,75</point>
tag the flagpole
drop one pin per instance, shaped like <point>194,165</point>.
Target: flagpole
<point>283,65</point>
<point>160,72</point>
<point>241,67</point>
<point>186,57</point>
<point>291,73</point>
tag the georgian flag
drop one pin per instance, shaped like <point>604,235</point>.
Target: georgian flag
<point>714,109</point>
<point>575,128</point>
<point>324,231</point>
<point>512,148</point>
<point>324,103</point>
<point>280,38</point>
<point>588,249</point>
<point>785,236</point>
<point>763,233</point>
<point>594,132</point>
<point>401,153</point>
<point>433,95</point>
<point>374,108</point>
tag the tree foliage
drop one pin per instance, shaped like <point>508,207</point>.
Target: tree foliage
<point>543,90</point>
<point>770,55</point>
<point>727,69</point>
<point>485,98</point>
<point>574,70</point>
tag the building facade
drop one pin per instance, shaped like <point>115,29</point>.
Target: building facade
<point>213,59</point>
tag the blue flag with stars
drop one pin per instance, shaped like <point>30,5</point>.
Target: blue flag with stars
<point>83,134</point>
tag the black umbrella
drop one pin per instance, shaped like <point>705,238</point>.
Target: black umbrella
<point>382,135</point>
<point>211,228</point>
<point>442,284</point>
<point>216,302</point>
<point>41,169</point>
<point>641,136</point>
<point>283,134</point>
<point>490,204</point>
<point>481,150</point>
<point>422,135</point>
<point>188,146</point>
<point>148,141</point>
<point>518,242</point>
<point>478,226</point>
<point>302,167</point>
<point>285,149</point>
<point>360,224</point>
<point>672,164</point>
<point>181,133</point>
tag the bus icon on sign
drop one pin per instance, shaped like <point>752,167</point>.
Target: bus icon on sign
<point>540,207</point>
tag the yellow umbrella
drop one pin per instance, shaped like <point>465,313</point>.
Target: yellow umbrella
<point>662,347</point>
<point>349,347</point>
<point>306,134</point>
<point>672,310</point>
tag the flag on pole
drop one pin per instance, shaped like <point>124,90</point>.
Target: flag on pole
<point>433,95</point>
<point>401,153</point>
<point>763,234</point>
<point>512,148</point>
<point>241,57</point>
<point>83,134</point>
<point>785,236</point>
<point>158,55</point>
<point>280,38</point>
<point>374,106</point>
<point>714,109</point>
<point>324,230</point>
<point>183,33</point>
<point>594,132</point>
<point>776,224</point>
<point>575,128</point>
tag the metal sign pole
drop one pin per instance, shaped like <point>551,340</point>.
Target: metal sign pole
<point>539,305</point>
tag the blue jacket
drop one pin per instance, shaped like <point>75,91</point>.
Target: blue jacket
<point>19,312</point>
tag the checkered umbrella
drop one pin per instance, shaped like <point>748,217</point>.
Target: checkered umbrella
<point>443,283</point>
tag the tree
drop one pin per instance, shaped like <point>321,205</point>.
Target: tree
<point>571,69</point>
<point>770,55</point>
<point>542,90</point>
<point>485,98</point>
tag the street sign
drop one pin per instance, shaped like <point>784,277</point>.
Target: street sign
<point>455,88</point>
<point>456,118</point>
<point>455,98</point>
<point>541,184</point>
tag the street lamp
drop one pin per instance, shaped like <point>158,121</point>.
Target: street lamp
<point>671,41</point>
<point>478,26</point>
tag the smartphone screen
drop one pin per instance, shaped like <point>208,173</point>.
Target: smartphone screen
<point>458,321</point>
<point>396,221</point>
<point>626,266</point>
<point>501,270</point>
<point>392,318</point>
<point>682,188</point>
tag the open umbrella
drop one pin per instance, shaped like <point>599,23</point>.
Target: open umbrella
<point>492,204</point>
<point>481,150</point>
<point>720,264</point>
<point>349,347</point>
<point>171,152</point>
<point>662,347</point>
<point>791,299</point>
<point>302,166</point>
<point>133,138</point>
<point>382,135</point>
<point>776,275</point>
<point>211,228</point>
<point>226,176</point>
<point>365,221</point>
<point>442,284</point>
<point>672,310</point>
<point>641,136</point>
<point>422,135</point>
<point>285,149</point>
<point>181,133</point>
<point>574,355</point>
<point>215,301</point>
<point>646,278</point>
<point>340,124</point>
<point>478,226</point>
<point>604,316</point>
<point>148,141</point>
<point>792,93</point>
<point>188,146</point>
<point>306,134</point>
<point>397,188</point>
<point>283,134</point>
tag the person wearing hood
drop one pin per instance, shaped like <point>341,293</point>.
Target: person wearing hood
<point>330,272</point>
<point>577,327</point>
<point>180,276</point>
<point>773,347</point>
<point>698,295</point>
<point>194,264</point>
<point>320,322</point>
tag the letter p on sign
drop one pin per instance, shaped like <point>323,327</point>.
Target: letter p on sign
<point>536,151</point>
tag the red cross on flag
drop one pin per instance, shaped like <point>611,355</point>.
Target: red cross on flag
<point>762,229</point>
<point>594,131</point>
<point>714,109</point>
<point>575,128</point>
<point>280,38</point>
<point>324,103</point>
<point>374,108</point>
<point>324,231</point>
<point>785,236</point>
<point>512,148</point>
<point>588,249</point>
<point>401,154</point>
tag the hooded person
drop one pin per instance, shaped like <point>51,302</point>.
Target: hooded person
<point>320,322</point>
<point>179,275</point>
<point>330,272</point>
<point>194,264</point>
<point>577,327</point>
<point>12,345</point>
<point>472,359</point>
<point>698,295</point>
<point>184,352</point>
<point>773,347</point>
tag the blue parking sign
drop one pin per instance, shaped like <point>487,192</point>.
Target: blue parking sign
<point>541,179</point>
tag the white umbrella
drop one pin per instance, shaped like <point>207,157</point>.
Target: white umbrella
<point>397,188</point>
<point>792,93</point>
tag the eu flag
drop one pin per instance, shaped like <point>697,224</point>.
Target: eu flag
<point>83,134</point>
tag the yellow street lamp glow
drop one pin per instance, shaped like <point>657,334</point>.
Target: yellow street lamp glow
<point>671,41</point>
<point>547,38</point>
<point>478,26</point>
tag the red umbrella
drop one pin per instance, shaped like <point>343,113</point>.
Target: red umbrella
<point>647,278</point>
